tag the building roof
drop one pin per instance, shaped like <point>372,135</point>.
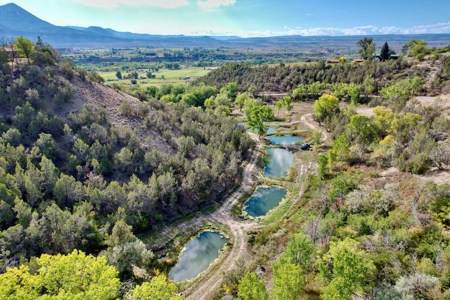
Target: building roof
<point>333,61</point>
<point>358,60</point>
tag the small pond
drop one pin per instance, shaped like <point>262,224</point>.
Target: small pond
<point>284,139</point>
<point>199,253</point>
<point>263,200</point>
<point>280,160</point>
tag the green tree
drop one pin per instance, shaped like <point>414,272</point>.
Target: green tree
<point>418,48</point>
<point>230,88</point>
<point>351,270</point>
<point>124,256</point>
<point>240,100</point>
<point>368,85</point>
<point>25,47</point>
<point>121,234</point>
<point>279,106</point>
<point>250,288</point>
<point>72,276</point>
<point>252,90</point>
<point>287,100</point>
<point>300,250</point>
<point>326,106</point>
<point>367,48</point>
<point>134,75</point>
<point>384,54</point>
<point>119,75</point>
<point>257,117</point>
<point>157,289</point>
<point>67,191</point>
<point>47,145</point>
<point>340,150</point>
<point>288,280</point>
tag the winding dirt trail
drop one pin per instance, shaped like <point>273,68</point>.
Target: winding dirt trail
<point>207,287</point>
<point>312,126</point>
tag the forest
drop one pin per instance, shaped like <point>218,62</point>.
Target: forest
<point>78,189</point>
<point>58,187</point>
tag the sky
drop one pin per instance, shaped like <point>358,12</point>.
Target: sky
<point>248,18</point>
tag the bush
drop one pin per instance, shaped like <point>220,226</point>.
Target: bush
<point>67,69</point>
<point>420,164</point>
<point>126,109</point>
<point>95,77</point>
<point>82,73</point>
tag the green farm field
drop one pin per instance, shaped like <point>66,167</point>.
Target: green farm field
<point>170,76</point>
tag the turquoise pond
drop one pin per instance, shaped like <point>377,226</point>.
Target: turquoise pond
<point>199,253</point>
<point>284,139</point>
<point>280,160</point>
<point>263,200</point>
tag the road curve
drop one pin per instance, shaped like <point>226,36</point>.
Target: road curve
<point>312,126</point>
<point>208,286</point>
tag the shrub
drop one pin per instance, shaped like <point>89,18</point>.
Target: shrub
<point>126,109</point>
<point>95,77</point>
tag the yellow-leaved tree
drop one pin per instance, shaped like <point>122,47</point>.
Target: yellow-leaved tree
<point>72,276</point>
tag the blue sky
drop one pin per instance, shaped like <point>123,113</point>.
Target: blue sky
<point>248,17</point>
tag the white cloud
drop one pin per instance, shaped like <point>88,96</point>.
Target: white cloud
<point>332,31</point>
<point>212,4</point>
<point>148,3</point>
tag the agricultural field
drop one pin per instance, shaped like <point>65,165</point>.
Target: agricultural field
<point>170,77</point>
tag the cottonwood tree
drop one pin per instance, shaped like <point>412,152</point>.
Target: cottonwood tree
<point>256,118</point>
<point>288,280</point>
<point>345,270</point>
<point>367,48</point>
<point>24,46</point>
<point>55,277</point>
<point>250,288</point>
<point>157,289</point>
<point>300,250</point>
<point>287,100</point>
<point>326,106</point>
<point>279,106</point>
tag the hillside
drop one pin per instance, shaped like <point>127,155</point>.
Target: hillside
<point>78,155</point>
<point>338,190</point>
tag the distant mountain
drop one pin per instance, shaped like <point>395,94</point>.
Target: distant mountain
<point>15,21</point>
<point>14,17</point>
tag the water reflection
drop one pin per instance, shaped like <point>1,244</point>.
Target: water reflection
<point>280,160</point>
<point>198,255</point>
<point>284,140</point>
<point>263,200</point>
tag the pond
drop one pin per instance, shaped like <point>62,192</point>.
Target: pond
<point>199,253</point>
<point>270,130</point>
<point>280,160</point>
<point>263,200</point>
<point>284,139</point>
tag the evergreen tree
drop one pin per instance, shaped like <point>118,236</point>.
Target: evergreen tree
<point>385,52</point>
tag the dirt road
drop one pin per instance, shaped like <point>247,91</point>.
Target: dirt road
<point>207,287</point>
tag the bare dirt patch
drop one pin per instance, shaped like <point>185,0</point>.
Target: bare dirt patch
<point>106,97</point>
<point>365,111</point>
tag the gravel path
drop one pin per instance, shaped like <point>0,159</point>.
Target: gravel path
<point>207,287</point>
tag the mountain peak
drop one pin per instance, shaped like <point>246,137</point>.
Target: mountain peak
<point>14,16</point>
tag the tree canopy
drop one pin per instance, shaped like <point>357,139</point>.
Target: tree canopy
<point>72,276</point>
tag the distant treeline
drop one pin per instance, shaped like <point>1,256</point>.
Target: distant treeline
<point>285,78</point>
